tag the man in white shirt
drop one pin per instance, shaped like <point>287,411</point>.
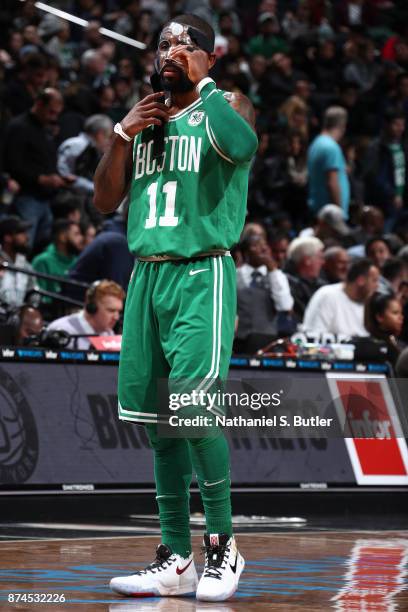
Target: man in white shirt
<point>103,307</point>
<point>264,298</point>
<point>261,270</point>
<point>339,309</point>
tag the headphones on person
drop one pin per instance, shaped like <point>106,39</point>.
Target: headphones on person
<point>91,306</point>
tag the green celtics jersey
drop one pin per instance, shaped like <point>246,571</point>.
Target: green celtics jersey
<point>190,201</point>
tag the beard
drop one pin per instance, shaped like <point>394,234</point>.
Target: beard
<point>72,249</point>
<point>22,249</point>
<point>180,85</point>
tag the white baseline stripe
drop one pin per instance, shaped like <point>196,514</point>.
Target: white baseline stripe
<point>85,527</point>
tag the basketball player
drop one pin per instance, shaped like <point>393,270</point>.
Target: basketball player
<point>187,209</point>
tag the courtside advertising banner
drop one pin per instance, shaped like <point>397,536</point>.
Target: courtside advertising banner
<point>319,429</point>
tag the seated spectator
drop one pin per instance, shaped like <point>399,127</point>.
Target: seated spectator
<point>296,24</point>
<point>383,319</point>
<point>263,297</point>
<point>30,323</point>
<point>279,81</point>
<point>267,42</point>
<point>378,250</point>
<point>261,270</point>
<point>363,71</point>
<point>253,229</point>
<point>279,243</point>
<point>22,90</point>
<point>336,264</point>
<point>330,226</point>
<point>102,310</point>
<point>88,232</point>
<point>371,223</point>
<point>59,44</point>
<point>305,261</point>
<point>328,180</point>
<point>293,115</point>
<point>14,247</point>
<point>393,274</point>
<point>21,323</point>
<point>31,159</point>
<point>339,309</point>
<point>108,255</point>
<point>59,257</point>
<point>67,205</point>
<point>250,229</point>
<point>94,65</point>
<point>78,157</point>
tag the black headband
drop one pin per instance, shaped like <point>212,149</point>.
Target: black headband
<point>200,39</point>
<point>197,36</point>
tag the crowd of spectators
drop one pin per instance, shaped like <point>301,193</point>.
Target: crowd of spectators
<point>325,247</point>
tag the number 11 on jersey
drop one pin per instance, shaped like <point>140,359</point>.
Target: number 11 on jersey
<point>168,219</point>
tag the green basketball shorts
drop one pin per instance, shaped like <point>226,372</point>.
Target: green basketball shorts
<point>178,325</point>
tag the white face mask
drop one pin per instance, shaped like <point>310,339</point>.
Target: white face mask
<point>176,31</point>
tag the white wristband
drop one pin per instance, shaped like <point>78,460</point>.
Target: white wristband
<point>203,83</point>
<point>118,129</point>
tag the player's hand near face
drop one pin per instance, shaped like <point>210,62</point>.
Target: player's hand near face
<point>195,61</point>
<point>148,111</point>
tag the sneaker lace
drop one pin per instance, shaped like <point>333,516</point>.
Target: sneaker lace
<point>215,560</point>
<point>158,565</point>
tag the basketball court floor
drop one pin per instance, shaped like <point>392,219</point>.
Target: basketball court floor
<point>290,569</point>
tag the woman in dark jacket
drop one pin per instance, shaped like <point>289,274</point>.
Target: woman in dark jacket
<point>383,319</point>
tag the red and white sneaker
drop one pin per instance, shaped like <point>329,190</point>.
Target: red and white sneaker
<point>168,575</point>
<point>223,567</point>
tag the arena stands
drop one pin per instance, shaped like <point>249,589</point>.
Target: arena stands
<point>328,185</point>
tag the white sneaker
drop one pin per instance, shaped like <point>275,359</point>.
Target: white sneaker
<point>169,574</point>
<point>223,567</point>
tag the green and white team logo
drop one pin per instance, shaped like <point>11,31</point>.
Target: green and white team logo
<point>195,118</point>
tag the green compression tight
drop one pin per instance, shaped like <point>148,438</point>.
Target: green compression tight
<point>174,461</point>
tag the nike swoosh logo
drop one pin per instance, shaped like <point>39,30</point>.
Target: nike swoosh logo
<point>181,571</point>
<point>234,567</point>
<point>212,484</point>
<point>192,272</point>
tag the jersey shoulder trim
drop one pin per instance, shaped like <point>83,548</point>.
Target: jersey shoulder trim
<point>185,111</point>
<point>214,143</point>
